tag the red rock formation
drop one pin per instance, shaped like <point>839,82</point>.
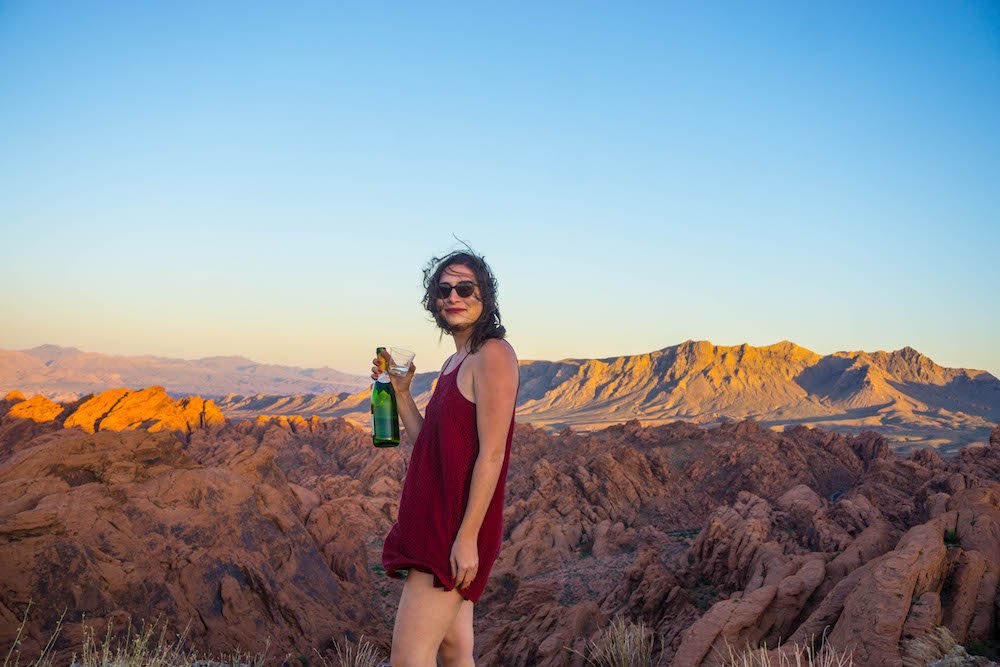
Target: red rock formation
<point>132,523</point>
<point>539,629</point>
<point>884,600</point>
<point>273,527</point>
<point>37,408</point>
<point>149,409</point>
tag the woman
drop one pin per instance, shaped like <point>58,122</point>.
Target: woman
<point>450,521</point>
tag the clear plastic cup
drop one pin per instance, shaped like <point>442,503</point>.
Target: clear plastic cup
<point>399,360</point>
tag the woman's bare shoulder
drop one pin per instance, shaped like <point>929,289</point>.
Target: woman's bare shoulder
<point>498,350</point>
<point>496,357</point>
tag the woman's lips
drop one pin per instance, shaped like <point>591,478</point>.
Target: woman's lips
<point>454,310</point>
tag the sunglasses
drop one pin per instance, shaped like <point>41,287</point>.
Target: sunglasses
<point>464,289</point>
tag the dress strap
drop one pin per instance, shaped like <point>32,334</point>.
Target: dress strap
<point>450,373</point>
<point>467,356</point>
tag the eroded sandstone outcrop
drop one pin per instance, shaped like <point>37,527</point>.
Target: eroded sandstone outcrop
<point>142,518</point>
<point>885,600</point>
<point>272,528</point>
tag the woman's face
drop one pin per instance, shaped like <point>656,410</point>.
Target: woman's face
<point>459,312</point>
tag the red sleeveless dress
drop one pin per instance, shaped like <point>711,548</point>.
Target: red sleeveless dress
<point>436,492</point>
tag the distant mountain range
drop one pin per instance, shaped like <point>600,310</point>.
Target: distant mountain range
<point>66,373</point>
<point>902,394</point>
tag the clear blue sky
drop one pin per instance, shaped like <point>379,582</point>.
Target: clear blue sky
<point>193,179</point>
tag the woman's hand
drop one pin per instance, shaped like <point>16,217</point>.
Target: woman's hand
<point>399,384</point>
<point>464,561</point>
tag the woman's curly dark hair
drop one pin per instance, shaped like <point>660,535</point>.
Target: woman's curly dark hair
<point>488,325</point>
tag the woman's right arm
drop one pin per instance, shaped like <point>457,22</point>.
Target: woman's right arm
<point>408,412</point>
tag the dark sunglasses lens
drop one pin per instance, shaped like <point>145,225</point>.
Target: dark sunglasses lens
<point>464,290</point>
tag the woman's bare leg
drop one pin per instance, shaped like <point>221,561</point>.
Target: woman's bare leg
<point>456,648</point>
<point>423,618</point>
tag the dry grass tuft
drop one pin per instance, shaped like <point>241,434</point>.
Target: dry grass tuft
<point>796,656</point>
<point>43,660</point>
<point>362,654</point>
<point>141,649</point>
<point>138,648</point>
<point>623,643</point>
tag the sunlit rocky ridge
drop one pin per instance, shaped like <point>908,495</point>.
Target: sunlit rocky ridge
<point>903,394</point>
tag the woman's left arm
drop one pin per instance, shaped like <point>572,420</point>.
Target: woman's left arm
<point>495,385</point>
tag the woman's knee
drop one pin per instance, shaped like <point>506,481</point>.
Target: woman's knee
<point>456,653</point>
<point>409,653</point>
<point>400,659</point>
<point>457,646</point>
<point>404,655</point>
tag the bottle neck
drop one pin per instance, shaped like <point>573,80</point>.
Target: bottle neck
<point>383,377</point>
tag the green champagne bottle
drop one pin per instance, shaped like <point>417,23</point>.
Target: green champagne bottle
<point>385,413</point>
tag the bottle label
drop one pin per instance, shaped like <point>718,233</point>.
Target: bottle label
<point>383,377</point>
